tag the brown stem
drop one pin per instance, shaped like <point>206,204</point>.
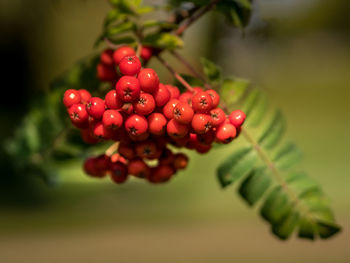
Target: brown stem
<point>176,75</point>
<point>111,149</point>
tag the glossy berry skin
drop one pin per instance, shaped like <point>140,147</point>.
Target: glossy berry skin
<point>201,123</point>
<point>237,118</point>
<point>162,95</point>
<point>146,149</point>
<point>95,107</point>
<point>136,125</point>
<point>85,96</point>
<point>119,172</point>
<point>176,130</point>
<point>112,119</point>
<point>214,96</point>
<point>113,101</point>
<point>106,57</point>
<point>180,161</point>
<point>168,109</point>
<point>146,53</point>
<point>128,88</point>
<point>174,91</point>
<point>138,168</point>
<point>126,151</point>
<point>149,80</point>
<point>218,117</point>
<point>70,97</point>
<point>202,102</point>
<point>106,73</point>
<point>183,113</point>
<point>157,123</point>
<point>225,133</point>
<point>122,52</point>
<point>78,115</point>
<point>186,97</point>
<point>145,104</point>
<point>130,65</point>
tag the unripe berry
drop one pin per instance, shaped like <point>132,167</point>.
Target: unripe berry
<point>107,57</point>
<point>146,149</point>
<point>201,123</point>
<point>138,168</point>
<point>225,133</point>
<point>145,104</point>
<point>174,91</point>
<point>113,101</point>
<point>168,109</point>
<point>218,117</point>
<point>70,97</point>
<point>106,73</point>
<point>146,53</point>
<point>130,65</point>
<point>149,80</point>
<point>128,88</point>
<point>126,150</point>
<point>112,119</point>
<point>136,125</point>
<point>119,172</point>
<point>122,52</point>
<point>162,95</point>
<point>180,161</point>
<point>183,113</point>
<point>202,102</point>
<point>95,107</point>
<point>85,96</point>
<point>186,97</point>
<point>237,118</point>
<point>176,130</point>
<point>156,123</point>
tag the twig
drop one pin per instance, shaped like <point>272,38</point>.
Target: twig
<point>111,149</point>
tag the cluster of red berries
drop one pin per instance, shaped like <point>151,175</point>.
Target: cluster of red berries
<point>145,116</point>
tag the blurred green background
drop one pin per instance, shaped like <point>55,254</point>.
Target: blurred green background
<point>298,51</point>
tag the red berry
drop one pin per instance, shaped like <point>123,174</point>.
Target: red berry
<point>122,52</point>
<point>127,108</point>
<point>218,117</point>
<point>113,101</point>
<point>116,157</point>
<point>180,161</point>
<point>196,90</point>
<point>70,97</point>
<point>146,149</point>
<point>106,73</point>
<point>85,96</point>
<point>162,95</point>
<point>128,88</point>
<point>203,148</point>
<point>183,113</point>
<point>176,130</point>
<point>96,107</point>
<point>180,142</point>
<point>201,123</point>
<point>237,118</point>
<point>214,96</point>
<point>138,168</point>
<point>78,115</point>
<point>168,109</point>
<point>136,125</point>
<point>112,119</point>
<point>156,123</point>
<point>149,80</point>
<point>102,163</point>
<point>167,157</point>
<point>146,52</point>
<point>206,138</point>
<point>174,91</point>
<point>192,142</point>
<point>202,102</point>
<point>90,167</point>
<point>130,65</point>
<point>139,138</point>
<point>99,131</point>
<point>225,133</point>
<point>126,150</point>
<point>119,172</point>
<point>186,97</point>
<point>87,137</point>
<point>107,57</point>
<point>145,104</point>
<point>161,174</point>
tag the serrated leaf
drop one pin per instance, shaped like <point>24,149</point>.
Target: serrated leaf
<point>285,228</point>
<point>273,132</point>
<point>211,70</point>
<point>287,156</point>
<point>163,40</point>
<point>233,89</point>
<point>255,185</point>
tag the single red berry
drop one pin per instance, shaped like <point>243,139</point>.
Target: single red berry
<point>119,172</point>
<point>225,133</point>
<point>180,161</point>
<point>128,88</point>
<point>183,113</point>
<point>102,163</point>
<point>78,115</point>
<point>87,137</point>
<point>206,138</point>
<point>136,125</point>
<point>168,109</point>
<point>90,167</point>
<point>176,130</point>
<point>146,53</point>
<point>122,52</point>
<point>237,118</point>
<point>112,100</point>
<point>106,73</point>
<point>70,97</point>
<point>146,149</point>
<point>106,57</point>
<point>202,102</point>
<point>201,123</point>
<point>99,131</point>
<point>156,123</point>
<point>138,168</point>
<point>96,107</point>
<point>126,150</point>
<point>174,91</point>
<point>85,96</point>
<point>196,90</point>
<point>186,97</point>
<point>149,80</point>
<point>130,65</point>
<point>214,96</point>
<point>112,119</point>
<point>192,142</point>
<point>161,96</point>
<point>161,174</point>
<point>203,148</point>
<point>145,104</point>
<point>218,117</point>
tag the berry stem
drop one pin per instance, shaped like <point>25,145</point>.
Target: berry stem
<point>111,149</point>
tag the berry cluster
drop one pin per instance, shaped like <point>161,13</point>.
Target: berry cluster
<point>145,116</point>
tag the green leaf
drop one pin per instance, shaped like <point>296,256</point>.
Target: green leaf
<point>238,164</point>
<point>211,70</point>
<point>120,28</point>
<point>299,183</point>
<point>160,24</point>
<point>306,229</point>
<point>250,102</point>
<point>113,16</point>
<point>127,7</point>
<point>144,10</point>
<point>287,156</point>
<point>233,89</point>
<point>122,40</point>
<point>258,111</point>
<point>255,185</point>
<point>237,12</point>
<point>273,132</point>
<point>163,40</point>
<point>285,228</point>
<point>327,229</point>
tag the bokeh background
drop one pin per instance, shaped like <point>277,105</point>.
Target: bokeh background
<point>297,51</point>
